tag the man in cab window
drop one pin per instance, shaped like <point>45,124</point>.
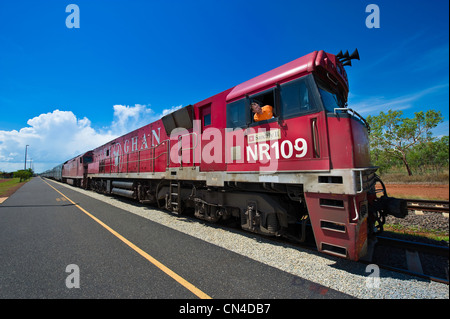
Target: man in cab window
<point>261,112</point>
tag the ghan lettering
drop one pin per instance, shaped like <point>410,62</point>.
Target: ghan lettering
<point>144,142</point>
<point>156,136</point>
<point>134,144</point>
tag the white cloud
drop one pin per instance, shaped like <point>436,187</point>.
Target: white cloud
<point>57,136</point>
<point>442,129</point>
<point>128,118</point>
<point>52,137</point>
<point>172,109</point>
<point>373,105</point>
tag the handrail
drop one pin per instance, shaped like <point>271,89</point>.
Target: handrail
<point>367,184</point>
<point>103,166</point>
<point>315,138</point>
<point>127,162</point>
<point>181,149</point>
<point>354,114</point>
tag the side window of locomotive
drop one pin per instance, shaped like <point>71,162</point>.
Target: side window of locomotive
<point>330,100</point>
<point>207,120</point>
<point>266,98</point>
<point>236,114</point>
<point>296,98</point>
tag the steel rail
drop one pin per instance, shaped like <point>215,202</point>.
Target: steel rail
<point>413,273</point>
<point>435,206</point>
<point>418,247</point>
<point>428,209</point>
<point>427,201</point>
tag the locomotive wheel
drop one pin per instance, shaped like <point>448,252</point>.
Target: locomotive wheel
<point>272,223</point>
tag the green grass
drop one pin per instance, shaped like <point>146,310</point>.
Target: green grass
<point>417,232</point>
<point>398,177</point>
<point>6,184</point>
<point>417,179</point>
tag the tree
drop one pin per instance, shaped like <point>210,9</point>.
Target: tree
<point>23,174</point>
<point>383,160</point>
<point>431,155</point>
<point>396,135</point>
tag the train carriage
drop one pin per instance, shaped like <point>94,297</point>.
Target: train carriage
<point>308,165</point>
<point>74,171</point>
<point>54,173</point>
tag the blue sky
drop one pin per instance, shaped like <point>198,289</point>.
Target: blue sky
<point>131,61</point>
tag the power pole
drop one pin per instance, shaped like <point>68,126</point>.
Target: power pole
<point>25,167</point>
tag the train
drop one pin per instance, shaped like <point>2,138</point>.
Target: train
<point>303,172</point>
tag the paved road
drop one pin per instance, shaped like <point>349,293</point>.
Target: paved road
<point>48,238</point>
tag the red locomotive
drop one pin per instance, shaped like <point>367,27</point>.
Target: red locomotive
<point>308,165</point>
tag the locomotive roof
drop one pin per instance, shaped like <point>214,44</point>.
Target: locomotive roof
<point>87,153</point>
<point>299,66</point>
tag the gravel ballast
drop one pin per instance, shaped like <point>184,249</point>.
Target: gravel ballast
<point>336,273</point>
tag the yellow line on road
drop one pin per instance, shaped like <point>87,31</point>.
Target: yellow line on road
<point>155,262</point>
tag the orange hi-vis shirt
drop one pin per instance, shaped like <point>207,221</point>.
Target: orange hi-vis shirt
<point>267,114</point>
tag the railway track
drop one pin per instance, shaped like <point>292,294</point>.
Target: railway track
<point>422,260</point>
<point>422,205</point>
<point>425,216</point>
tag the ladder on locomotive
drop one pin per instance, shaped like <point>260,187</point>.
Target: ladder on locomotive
<point>175,197</point>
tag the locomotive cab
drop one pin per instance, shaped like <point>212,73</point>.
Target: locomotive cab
<point>315,143</point>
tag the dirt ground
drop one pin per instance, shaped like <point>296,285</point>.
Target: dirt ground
<point>437,192</point>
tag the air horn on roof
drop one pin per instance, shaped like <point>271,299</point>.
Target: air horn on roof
<point>346,58</point>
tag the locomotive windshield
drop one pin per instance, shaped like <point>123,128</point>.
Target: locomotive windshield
<point>297,97</point>
<point>330,100</point>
